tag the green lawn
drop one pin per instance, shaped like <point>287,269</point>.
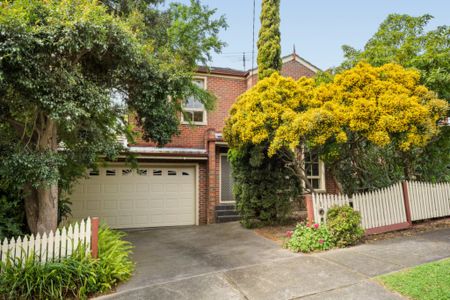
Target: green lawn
<point>425,282</point>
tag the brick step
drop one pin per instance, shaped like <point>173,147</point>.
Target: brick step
<point>224,219</point>
<point>225,207</point>
<point>226,213</point>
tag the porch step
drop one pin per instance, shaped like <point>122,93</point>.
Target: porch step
<point>224,219</point>
<point>226,213</point>
<point>225,207</point>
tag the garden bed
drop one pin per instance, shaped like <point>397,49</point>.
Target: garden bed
<point>278,233</point>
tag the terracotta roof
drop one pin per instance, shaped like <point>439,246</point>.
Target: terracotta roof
<point>240,73</point>
<point>222,71</point>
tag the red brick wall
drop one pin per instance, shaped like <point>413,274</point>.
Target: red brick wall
<point>202,193</point>
<point>292,69</point>
<point>330,183</point>
<point>226,90</point>
<point>295,70</point>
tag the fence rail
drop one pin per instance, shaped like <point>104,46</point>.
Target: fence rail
<point>53,246</point>
<point>390,208</point>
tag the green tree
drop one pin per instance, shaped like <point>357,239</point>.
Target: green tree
<point>69,71</point>
<point>269,47</point>
<point>264,186</point>
<point>403,39</point>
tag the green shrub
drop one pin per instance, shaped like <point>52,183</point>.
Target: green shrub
<point>263,186</point>
<point>12,217</point>
<point>114,263</point>
<point>77,276</point>
<point>73,277</point>
<point>344,225</point>
<point>307,238</point>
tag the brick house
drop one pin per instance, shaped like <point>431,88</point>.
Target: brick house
<point>186,181</point>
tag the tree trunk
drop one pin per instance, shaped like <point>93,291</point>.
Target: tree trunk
<point>407,167</point>
<point>41,204</point>
<point>31,207</point>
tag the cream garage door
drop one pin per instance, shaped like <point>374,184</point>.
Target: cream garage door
<point>149,197</point>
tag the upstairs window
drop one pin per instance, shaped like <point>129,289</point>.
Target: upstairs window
<point>194,111</point>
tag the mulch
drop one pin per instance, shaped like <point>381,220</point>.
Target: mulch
<point>278,233</point>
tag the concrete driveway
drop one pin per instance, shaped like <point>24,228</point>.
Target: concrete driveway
<point>225,261</point>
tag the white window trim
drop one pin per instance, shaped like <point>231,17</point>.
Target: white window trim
<point>205,115</point>
<point>321,177</point>
<point>220,181</point>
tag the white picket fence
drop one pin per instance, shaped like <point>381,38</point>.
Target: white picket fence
<point>382,207</point>
<point>48,247</point>
<point>429,200</point>
<point>323,202</point>
<point>388,208</point>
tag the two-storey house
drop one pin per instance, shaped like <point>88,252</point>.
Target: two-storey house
<point>185,181</point>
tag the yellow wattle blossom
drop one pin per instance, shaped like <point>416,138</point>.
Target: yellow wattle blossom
<point>384,105</point>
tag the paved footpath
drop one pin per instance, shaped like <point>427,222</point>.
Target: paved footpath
<point>337,274</point>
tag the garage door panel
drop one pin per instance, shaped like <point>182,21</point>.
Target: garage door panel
<point>157,187</point>
<point>141,220</point>
<point>142,187</point>
<point>110,204</point>
<point>149,197</point>
<point>110,188</point>
<point>127,188</point>
<point>126,204</point>
<point>93,189</point>
<point>93,205</point>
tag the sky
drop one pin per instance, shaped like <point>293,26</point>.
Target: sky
<point>317,28</point>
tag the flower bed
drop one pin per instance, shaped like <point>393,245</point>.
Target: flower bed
<point>343,229</point>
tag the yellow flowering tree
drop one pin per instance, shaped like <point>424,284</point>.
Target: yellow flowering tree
<point>383,106</point>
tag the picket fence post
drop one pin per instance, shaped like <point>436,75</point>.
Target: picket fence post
<point>94,237</point>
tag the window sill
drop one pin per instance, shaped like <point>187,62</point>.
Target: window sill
<point>194,123</point>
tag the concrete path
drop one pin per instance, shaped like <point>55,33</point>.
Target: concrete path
<point>225,261</point>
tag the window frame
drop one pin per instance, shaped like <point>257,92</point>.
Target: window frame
<point>322,186</point>
<point>192,110</point>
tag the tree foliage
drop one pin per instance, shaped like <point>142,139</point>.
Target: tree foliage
<point>263,186</point>
<point>269,47</point>
<point>383,106</point>
<point>62,63</point>
<point>403,39</point>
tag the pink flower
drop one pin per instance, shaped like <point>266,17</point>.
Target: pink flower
<point>289,233</point>
<point>321,241</point>
<point>307,224</point>
<point>316,225</point>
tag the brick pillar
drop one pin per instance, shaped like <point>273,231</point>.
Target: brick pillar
<point>94,237</point>
<point>212,186</point>
<point>309,208</point>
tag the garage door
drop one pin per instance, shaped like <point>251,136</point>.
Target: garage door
<point>128,198</point>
